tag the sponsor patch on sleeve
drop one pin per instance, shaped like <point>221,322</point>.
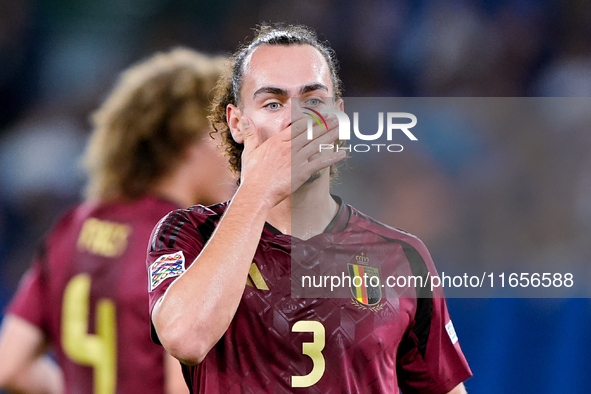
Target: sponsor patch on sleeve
<point>166,266</point>
<point>451,331</point>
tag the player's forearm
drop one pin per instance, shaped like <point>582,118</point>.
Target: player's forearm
<point>174,382</point>
<point>23,367</point>
<point>459,389</point>
<point>198,307</point>
<point>41,377</point>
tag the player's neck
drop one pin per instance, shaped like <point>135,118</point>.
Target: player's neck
<point>307,212</point>
<point>175,188</point>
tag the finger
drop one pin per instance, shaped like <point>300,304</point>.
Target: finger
<point>324,161</point>
<point>302,139</point>
<point>300,126</point>
<point>322,144</point>
<point>250,133</point>
<point>325,149</point>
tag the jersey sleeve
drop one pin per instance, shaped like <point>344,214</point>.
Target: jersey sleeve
<point>176,242</point>
<point>28,303</point>
<point>430,360</point>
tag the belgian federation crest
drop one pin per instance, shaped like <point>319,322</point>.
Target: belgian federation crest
<point>366,285</point>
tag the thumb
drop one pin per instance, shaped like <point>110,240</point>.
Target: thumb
<point>250,134</point>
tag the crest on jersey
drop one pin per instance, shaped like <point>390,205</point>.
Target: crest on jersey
<point>366,285</point>
<point>166,266</point>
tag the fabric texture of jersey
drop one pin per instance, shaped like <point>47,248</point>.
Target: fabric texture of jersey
<point>364,343</point>
<point>107,245</point>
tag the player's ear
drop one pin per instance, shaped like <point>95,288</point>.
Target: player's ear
<point>340,105</point>
<point>234,115</point>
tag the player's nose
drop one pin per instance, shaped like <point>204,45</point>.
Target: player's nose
<point>295,109</point>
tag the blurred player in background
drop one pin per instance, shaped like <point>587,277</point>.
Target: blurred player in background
<point>256,338</point>
<point>85,295</point>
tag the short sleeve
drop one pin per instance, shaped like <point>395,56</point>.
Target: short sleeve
<point>430,359</point>
<point>175,243</point>
<point>28,303</point>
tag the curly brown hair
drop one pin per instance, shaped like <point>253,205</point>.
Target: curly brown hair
<point>227,90</point>
<point>157,109</point>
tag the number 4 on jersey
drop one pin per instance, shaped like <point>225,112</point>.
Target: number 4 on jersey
<point>96,350</point>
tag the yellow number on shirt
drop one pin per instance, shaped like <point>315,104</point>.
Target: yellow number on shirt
<point>96,350</point>
<point>312,350</point>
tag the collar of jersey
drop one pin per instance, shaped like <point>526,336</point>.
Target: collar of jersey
<point>336,225</point>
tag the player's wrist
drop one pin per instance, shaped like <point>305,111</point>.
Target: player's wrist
<point>250,196</point>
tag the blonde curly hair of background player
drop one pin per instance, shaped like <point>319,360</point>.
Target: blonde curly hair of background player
<point>156,110</point>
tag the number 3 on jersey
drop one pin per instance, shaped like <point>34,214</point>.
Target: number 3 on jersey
<point>96,350</point>
<point>313,350</point>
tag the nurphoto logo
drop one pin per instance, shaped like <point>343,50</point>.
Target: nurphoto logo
<point>393,126</point>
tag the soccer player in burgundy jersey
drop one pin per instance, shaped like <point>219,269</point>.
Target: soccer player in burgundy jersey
<point>85,295</point>
<point>221,277</point>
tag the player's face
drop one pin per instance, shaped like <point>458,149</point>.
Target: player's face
<point>273,75</point>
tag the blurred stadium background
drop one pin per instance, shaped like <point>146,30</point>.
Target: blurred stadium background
<point>489,196</point>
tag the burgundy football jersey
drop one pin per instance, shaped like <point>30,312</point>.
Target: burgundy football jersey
<point>87,291</point>
<point>364,342</point>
